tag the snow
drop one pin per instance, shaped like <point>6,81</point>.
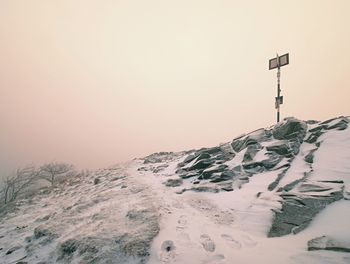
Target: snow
<point>332,160</point>
<point>195,227</point>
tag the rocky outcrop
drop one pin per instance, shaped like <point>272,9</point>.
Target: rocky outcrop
<point>328,243</point>
<point>264,150</point>
<point>302,204</point>
<point>290,128</point>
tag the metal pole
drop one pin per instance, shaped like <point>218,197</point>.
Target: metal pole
<point>278,93</point>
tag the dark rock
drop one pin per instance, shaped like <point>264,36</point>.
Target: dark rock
<point>203,155</point>
<point>340,125</point>
<point>274,184</point>
<point>298,211</point>
<point>254,137</point>
<point>211,189</point>
<point>253,167</point>
<point>318,128</point>
<point>309,158</point>
<point>207,173</point>
<point>237,170</point>
<point>159,157</point>
<point>201,164</point>
<point>226,186</point>
<point>272,161</point>
<point>312,122</point>
<point>328,243</point>
<point>289,129</point>
<point>251,152</point>
<point>328,121</point>
<point>97,181</point>
<point>189,158</point>
<point>313,137</point>
<point>281,148</point>
<point>312,187</point>
<point>224,176</point>
<point>190,174</point>
<point>173,182</point>
<point>211,151</point>
<point>160,168</point>
<point>13,249</point>
<point>291,185</point>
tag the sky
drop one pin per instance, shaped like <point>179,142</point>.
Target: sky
<point>95,83</point>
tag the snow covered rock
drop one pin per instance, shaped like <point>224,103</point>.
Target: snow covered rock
<point>328,243</point>
<point>290,128</point>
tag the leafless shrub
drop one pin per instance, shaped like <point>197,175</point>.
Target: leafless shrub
<point>16,183</point>
<point>51,171</point>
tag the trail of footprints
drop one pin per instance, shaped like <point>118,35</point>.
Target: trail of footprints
<point>168,248</point>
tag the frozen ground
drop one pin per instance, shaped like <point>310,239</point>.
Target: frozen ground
<point>134,214</point>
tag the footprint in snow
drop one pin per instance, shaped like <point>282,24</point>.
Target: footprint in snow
<point>207,243</point>
<point>233,243</point>
<point>247,241</point>
<point>168,253</point>
<point>182,222</point>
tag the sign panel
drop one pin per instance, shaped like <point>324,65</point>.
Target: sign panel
<point>282,60</point>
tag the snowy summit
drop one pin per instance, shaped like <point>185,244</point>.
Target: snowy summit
<point>276,195</point>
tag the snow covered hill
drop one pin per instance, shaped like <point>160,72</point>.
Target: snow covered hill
<point>276,195</point>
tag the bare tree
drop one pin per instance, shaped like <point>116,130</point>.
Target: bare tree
<point>16,183</point>
<point>50,171</point>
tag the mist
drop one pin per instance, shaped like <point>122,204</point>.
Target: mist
<point>96,83</point>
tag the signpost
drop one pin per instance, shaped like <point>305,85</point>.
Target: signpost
<point>274,63</point>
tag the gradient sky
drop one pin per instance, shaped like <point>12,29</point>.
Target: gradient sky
<point>99,82</point>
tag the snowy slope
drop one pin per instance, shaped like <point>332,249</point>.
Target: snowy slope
<point>263,197</point>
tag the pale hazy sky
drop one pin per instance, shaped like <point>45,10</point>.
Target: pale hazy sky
<point>99,82</point>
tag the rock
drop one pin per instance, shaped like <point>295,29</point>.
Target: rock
<point>274,184</point>
<point>159,157</point>
<point>272,161</point>
<point>290,128</point>
<point>190,174</point>
<point>301,205</point>
<point>173,182</point>
<point>211,151</point>
<point>312,122</point>
<point>251,151</point>
<point>226,186</point>
<point>13,249</point>
<point>313,137</point>
<point>224,176</point>
<point>212,189</point>
<point>207,173</point>
<point>160,168</point>
<point>201,164</point>
<point>328,243</point>
<point>281,148</point>
<point>189,158</point>
<point>312,187</point>
<point>340,125</point>
<point>97,181</point>
<point>254,137</point>
<point>253,167</point>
